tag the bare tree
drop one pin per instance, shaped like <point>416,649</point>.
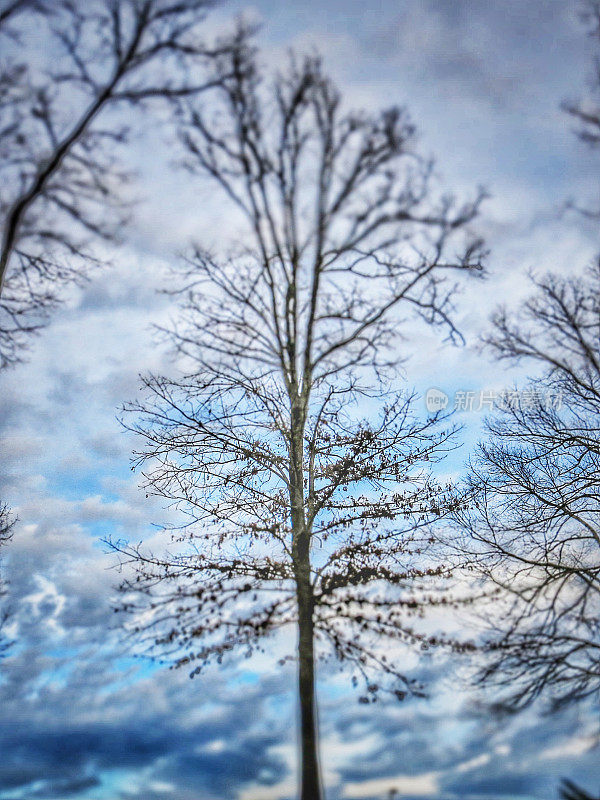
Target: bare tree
<point>10,9</point>
<point>61,126</point>
<point>304,479</point>
<point>587,113</point>
<point>6,523</point>
<point>570,791</point>
<point>534,521</point>
<point>60,131</point>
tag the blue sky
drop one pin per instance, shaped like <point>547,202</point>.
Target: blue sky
<point>80,717</point>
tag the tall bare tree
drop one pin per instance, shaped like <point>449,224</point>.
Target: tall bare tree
<point>60,131</point>
<point>303,474</point>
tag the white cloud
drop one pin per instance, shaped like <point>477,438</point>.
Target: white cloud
<point>474,763</point>
<point>403,785</point>
<point>569,748</point>
<point>286,788</point>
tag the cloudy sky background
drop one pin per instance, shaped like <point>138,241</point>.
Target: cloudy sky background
<point>80,717</point>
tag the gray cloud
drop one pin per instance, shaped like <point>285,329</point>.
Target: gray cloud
<point>80,717</point>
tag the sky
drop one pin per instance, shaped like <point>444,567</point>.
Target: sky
<point>81,717</point>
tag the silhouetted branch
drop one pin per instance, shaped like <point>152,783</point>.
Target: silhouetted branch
<point>6,524</point>
<point>61,188</point>
<point>534,516</point>
<point>569,791</point>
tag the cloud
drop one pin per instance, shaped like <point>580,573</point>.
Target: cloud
<point>93,730</point>
<point>399,786</point>
<point>83,718</point>
<point>570,748</point>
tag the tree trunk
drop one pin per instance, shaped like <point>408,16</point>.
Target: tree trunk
<point>310,787</point>
<point>309,767</point>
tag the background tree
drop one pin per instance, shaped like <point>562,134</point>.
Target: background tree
<point>535,527</point>
<point>587,112</point>
<point>302,472</point>
<point>60,131</point>
<point>10,9</point>
<point>5,534</point>
<point>61,126</point>
<point>8,12</point>
<point>569,791</point>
